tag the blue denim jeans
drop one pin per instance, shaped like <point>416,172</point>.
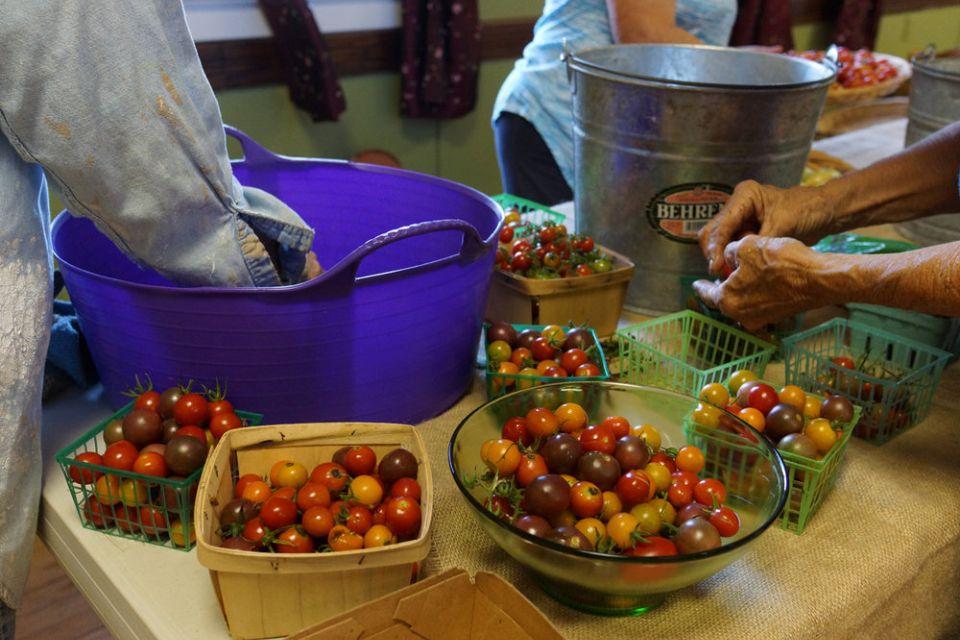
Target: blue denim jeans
<point>106,100</point>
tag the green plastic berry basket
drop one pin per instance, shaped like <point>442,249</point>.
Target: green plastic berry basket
<point>170,500</point>
<point>896,392</point>
<point>685,351</point>
<point>531,213</point>
<point>810,480</point>
<point>499,384</point>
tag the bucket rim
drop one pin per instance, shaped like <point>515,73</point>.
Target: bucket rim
<point>927,66</point>
<point>575,62</point>
<point>331,273</point>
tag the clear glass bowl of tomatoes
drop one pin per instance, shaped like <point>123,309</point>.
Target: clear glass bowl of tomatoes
<point>604,580</point>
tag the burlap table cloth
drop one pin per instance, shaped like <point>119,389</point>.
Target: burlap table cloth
<point>881,559</point>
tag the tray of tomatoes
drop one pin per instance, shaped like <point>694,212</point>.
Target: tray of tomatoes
<point>135,474</point>
<point>863,74</point>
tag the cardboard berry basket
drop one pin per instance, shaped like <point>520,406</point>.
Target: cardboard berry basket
<point>810,480</point>
<point>595,300</point>
<point>499,384</point>
<point>265,595</point>
<point>172,497</point>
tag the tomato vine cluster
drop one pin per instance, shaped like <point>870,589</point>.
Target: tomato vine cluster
<point>608,487</point>
<point>346,504</point>
<point>547,251</point>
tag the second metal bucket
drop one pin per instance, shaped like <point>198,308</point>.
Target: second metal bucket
<point>662,134</point>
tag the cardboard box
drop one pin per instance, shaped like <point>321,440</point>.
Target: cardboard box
<point>445,607</point>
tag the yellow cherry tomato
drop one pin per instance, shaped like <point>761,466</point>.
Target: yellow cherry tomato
<point>287,473</point>
<point>753,417</point>
<point>738,378</point>
<point>649,433</point>
<point>133,493</point>
<point>511,370</point>
<point>811,407</point>
<point>620,528</point>
<point>707,415</point>
<point>660,475</point>
<point>179,535</point>
<point>611,505</point>
<point>527,382</point>
<point>572,417</point>
<point>367,491</point>
<point>513,217</point>
<point>107,490</point>
<point>668,514</point>
<point>793,395</point>
<point>554,334</point>
<point>821,432</point>
<point>716,394</point>
<point>592,528</point>
<point>500,455</point>
<point>378,536</point>
<point>648,518</point>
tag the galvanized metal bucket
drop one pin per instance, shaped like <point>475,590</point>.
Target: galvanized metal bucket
<point>662,134</point>
<point>934,103</point>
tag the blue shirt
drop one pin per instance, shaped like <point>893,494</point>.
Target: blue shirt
<point>537,89</point>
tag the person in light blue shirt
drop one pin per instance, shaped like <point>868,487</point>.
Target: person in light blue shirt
<point>532,117</point>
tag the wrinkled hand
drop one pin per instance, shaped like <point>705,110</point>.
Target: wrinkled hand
<point>799,212</point>
<point>772,279</point>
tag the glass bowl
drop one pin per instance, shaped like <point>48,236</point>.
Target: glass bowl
<point>753,472</point>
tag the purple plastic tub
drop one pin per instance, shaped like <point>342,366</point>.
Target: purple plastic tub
<point>388,333</point>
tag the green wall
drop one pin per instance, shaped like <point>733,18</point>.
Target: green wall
<point>900,33</point>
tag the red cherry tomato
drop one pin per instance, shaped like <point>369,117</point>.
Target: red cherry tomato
<point>86,476</point>
<point>403,517</point>
<point>331,475</point>
<point>120,455</point>
<point>532,466</point>
<point>572,359</point>
<point>653,547</point>
<point>588,370</point>
<point>679,495</point>
<point>148,401</point>
<point>618,424</point>
<point>635,487</point>
<point>294,540</point>
<point>405,488</point>
<point>515,429</point>
<point>242,483</point>
<point>359,519</point>
<point>763,398</point>
<point>217,407</point>
<point>359,461</point>
<point>191,408</point>
<point>665,460</point>
<point>586,244</point>
<point>542,349</point>
<point>685,478</point>
<point>707,490</point>
<point>254,531</point>
<point>318,521</point>
<point>506,235</point>
<point>312,494</point>
<point>194,432</point>
<point>224,421</point>
<point>598,438</point>
<point>150,464</point>
<point>725,520</point>
<point>584,270</point>
<point>520,262</point>
<point>278,512</point>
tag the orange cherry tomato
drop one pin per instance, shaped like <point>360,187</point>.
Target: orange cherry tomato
<point>257,492</point>
<point>342,538</point>
<point>242,483</point>
<point>754,418</point>
<point>502,456</point>
<point>542,422</point>
<point>572,417</point>
<point>690,458</point>
<point>793,395</point>
<point>531,467</point>
<point>287,473</point>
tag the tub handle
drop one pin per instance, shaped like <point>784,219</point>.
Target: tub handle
<point>473,244</point>
<point>253,152</point>
<point>831,59</point>
<point>929,53</point>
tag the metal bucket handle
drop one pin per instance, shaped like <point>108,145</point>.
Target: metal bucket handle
<point>831,58</point>
<point>929,54</point>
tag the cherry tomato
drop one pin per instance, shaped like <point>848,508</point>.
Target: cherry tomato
<point>588,370</point>
<point>242,483</point>
<point>521,356</point>
<point>317,521</point>
<point>725,520</point>
<point>367,491</point>
<point>191,408</point>
<point>763,398</point>
<point>679,495</point>
<point>148,401</point>
<point>690,458</point>
<point>739,378</point>
<point>844,362</point>
<point>120,455</point>
<point>150,464</point>
<point>98,514</point>
<point>341,538</point>
<point>649,434</point>
<point>194,432</point>
<point>598,438</point>
<point>648,518</point>
<point>254,531</point>
<point>359,519</point>
<point>660,475</point>
<point>584,270</point>
<point>592,528</point>
<point>107,490</point>
<point>128,519</point>
<point>611,505</point>
<point>754,418</point>
<point>665,460</point>
<point>531,467</point>
<point>821,432</point>
<point>715,394</point>
<point>707,490</point>
<point>288,493</point>
<point>378,536</point>
<point>86,476</point>
<point>312,494</point>
<point>586,500</point>
<point>541,422</point>
<point>515,429</point>
<point>380,513</point>
<point>572,417</point>
<point>572,359</point>
<point>405,488</point>
<point>287,473</point>
<point>278,512</point>
<point>635,487</point>
<point>499,351</point>
<point>294,540</point>
<point>256,491</point>
<point>554,334</point>
<point>707,415</point>
<point>548,234</point>
<point>521,246</point>
<point>586,244</point>
<point>619,425</point>
<point>542,349</point>
<point>545,365</point>
<point>331,475</point>
<point>520,262</point>
<point>222,422</point>
<point>811,407</point>
<point>652,547</point>
<point>621,528</point>
<point>216,407</point>
<point>360,461</point>
<point>403,516</point>
<point>502,456</point>
<point>506,235</point>
<point>794,396</point>
<point>555,372</point>
<point>686,478</point>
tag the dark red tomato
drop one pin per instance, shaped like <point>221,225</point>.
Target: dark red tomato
<point>679,495</point>
<point>618,424</point>
<point>194,432</point>
<point>725,520</point>
<point>148,401</point>
<point>586,244</point>
<point>573,358</point>
<point>520,262</point>
<point>405,488</point>
<point>278,512</point>
<point>97,513</point>
<point>515,429</point>
<point>313,494</point>
<point>242,483</point>
<point>359,519</point>
<point>506,235</point>
<point>548,234</point>
<point>359,461</point>
<point>120,455</point>
<point>653,547</point>
<point>224,421</point>
<point>521,246</point>
<point>294,540</point>
<point>86,476</point>
<point>498,506</point>
<point>192,408</point>
<point>665,460</point>
<point>598,438</point>
<point>128,519</point>
<point>692,510</point>
<point>707,490</point>
<point>153,521</point>
<point>254,531</point>
<point>763,397</point>
<point>542,349</point>
<point>150,464</point>
<point>318,521</point>
<point>588,370</point>
<point>635,487</point>
<point>844,362</point>
<point>216,407</point>
<point>584,270</point>
<point>541,253</point>
<point>685,478</point>
<point>331,475</point>
<point>403,517</point>
<point>380,513</point>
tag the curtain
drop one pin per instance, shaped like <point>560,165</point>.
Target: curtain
<point>857,24</point>
<point>763,22</point>
<point>311,75</point>
<point>440,58</point>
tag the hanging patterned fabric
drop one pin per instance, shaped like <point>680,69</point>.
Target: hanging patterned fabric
<point>763,22</point>
<point>857,24</point>
<point>440,59</point>
<point>311,75</point>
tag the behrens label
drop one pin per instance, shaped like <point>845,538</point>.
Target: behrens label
<point>679,212</point>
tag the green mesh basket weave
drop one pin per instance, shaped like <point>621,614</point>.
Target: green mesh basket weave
<point>893,402</point>
<point>532,214</point>
<point>685,351</point>
<point>172,497</point>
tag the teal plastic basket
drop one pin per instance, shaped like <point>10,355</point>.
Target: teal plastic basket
<point>935,331</point>
<point>893,402</point>
<point>685,351</point>
<point>531,213</point>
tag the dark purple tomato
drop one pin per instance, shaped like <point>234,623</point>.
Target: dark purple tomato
<point>534,525</point>
<point>170,501</point>
<point>502,331</point>
<point>561,453</point>
<point>184,455</point>
<point>547,496</point>
<point>599,468</point>
<point>696,535</point>
<point>237,511</point>
<point>798,444</point>
<point>142,427</point>
<point>692,510</point>
<point>570,537</point>
<point>631,453</point>
<point>782,420</point>
<point>526,338</point>
<point>113,432</point>
<point>340,456</point>
<point>168,399</point>
<point>238,543</point>
<point>837,408</point>
<point>578,339</point>
<point>397,464</point>
<point>170,428</point>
